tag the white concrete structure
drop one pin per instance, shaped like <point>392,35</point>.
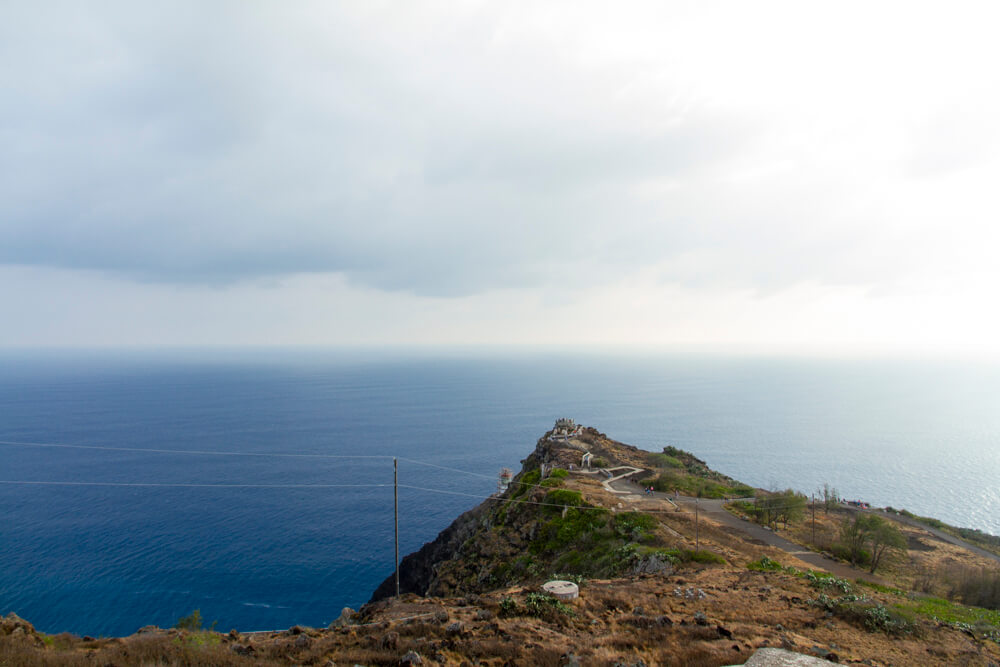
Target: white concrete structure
<point>564,590</point>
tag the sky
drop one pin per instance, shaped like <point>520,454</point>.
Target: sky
<point>755,175</point>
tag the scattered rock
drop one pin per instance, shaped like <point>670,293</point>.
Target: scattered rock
<point>242,649</point>
<point>485,615</point>
<point>12,621</point>
<point>776,657</point>
<point>700,619</point>
<point>653,564</point>
<point>648,621</point>
<point>441,616</point>
<point>389,641</point>
<point>346,618</point>
<point>147,630</point>
<point>302,641</point>
<point>411,658</point>
<point>724,632</point>
<point>569,660</point>
<point>455,628</point>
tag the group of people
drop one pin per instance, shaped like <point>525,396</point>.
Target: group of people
<point>648,490</point>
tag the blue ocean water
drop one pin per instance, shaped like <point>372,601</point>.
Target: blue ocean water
<point>105,560</point>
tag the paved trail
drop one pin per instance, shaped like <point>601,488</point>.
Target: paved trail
<point>713,509</point>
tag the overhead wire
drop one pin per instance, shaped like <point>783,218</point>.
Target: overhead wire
<point>194,485</point>
<point>280,455</point>
<point>197,452</point>
<point>253,454</point>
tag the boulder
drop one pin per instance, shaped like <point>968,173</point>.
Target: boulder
<point>776,657</point>
<point>346,618</point>
<point>411,658</point>
<point>12,622</point>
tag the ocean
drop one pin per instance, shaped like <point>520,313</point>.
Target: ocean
<point>256,485</point>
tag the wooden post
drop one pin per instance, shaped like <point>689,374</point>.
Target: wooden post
<point>814,518</point>
<point>697,535</point>
<point>395,507</point>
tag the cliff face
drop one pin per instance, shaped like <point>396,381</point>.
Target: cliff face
<point>417,571</point>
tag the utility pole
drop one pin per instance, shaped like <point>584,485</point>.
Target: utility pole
<point>697,534</point>
<point>395,507</point>
<point>814,517</point>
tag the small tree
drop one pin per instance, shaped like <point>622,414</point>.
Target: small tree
<point>874,532</point>
<point>783,506</point>
<point>829,496</point>
<point>792,506</point>
<point>190,622</point>
<point>883,536</point>
<point>853,535</point>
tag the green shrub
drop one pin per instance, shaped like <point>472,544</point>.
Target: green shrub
<point>190,622</point>
<point>864,612</point>
<point>665,461</point>
<point>545,606</point>
<point>599,462</point>
<point>558,473</point>
<point>821,580</point>
<point>764,564</point>
<point>878,587</point>
<point>530,477</point>
<point>692,556</point>
<point>564,497</point>
<point>521,486</point>
<point>508,607</point>
<point>879,618</point>
<point>634,525</point>
<point>709,557</point>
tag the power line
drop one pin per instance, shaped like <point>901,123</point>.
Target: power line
<point>435,465</point>
<point>193,485</point>
<point>306,486</point>
<point>193,451</point>
<point>257,454</point>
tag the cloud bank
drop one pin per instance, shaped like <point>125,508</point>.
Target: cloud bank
<point>442,151</point>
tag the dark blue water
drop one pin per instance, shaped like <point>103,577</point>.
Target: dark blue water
<point>109,559</point>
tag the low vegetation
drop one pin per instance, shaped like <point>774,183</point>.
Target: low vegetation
<point>973,535</point>
<point>768,509</point>
<point>683,472</point>
<point>866,539</point>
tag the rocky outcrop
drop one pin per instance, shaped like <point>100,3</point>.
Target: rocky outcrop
<point>417,571</point>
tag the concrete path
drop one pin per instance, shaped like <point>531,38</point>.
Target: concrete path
<point>957,541</point>
<point>712,508</point>
<point>608,484</point>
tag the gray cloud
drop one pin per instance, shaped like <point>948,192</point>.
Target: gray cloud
<point>439,152</point>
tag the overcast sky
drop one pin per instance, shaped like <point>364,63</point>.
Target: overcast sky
<point>744,173</point>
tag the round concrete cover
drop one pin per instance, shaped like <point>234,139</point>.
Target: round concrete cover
<point>564,590</point>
